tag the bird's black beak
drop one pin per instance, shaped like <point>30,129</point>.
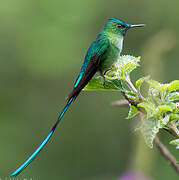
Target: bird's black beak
<point>137,25</point>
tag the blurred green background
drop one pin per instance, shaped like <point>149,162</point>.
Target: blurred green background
<point>42,46</point>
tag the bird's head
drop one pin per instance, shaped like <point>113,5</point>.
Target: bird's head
<point>117,26</point>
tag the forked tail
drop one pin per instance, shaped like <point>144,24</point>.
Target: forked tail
<point>31,158</point>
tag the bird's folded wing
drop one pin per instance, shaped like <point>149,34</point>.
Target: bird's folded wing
<point>95,55</point>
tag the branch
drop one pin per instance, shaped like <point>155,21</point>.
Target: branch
<point>131,101</point>
<point>165,152</point>
<point>131,86</point>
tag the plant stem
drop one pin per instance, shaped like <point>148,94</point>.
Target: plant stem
<point>131,86</point>
<point>131,101</point>
<point>165,152</point>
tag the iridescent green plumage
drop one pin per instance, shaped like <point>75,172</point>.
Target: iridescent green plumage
<point>102,53</point>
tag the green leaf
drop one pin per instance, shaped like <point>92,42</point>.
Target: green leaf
<point>131,95</point>
<point>98,84</point>
<point>163,108</point>
<point>173,96</point>
<point>153,92</point>
<point>132,112</point>
<point>173,86</point>
<point>123,67</point>
<point>174,116</point>
<point>163,122</point>
<point>141,80</point>
<point>161,88</point>
<point>173,106</point>
<point>149,107</point>
<point>154,96</point>
<point>155,84</point>
<point>149,130</point>
<point>164,87</point>
<point>150,127</point>
<point>175,143</point>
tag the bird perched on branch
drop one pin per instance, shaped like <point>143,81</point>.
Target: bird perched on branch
<point>102,53</point>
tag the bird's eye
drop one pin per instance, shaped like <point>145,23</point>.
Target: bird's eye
<point>120,26</point>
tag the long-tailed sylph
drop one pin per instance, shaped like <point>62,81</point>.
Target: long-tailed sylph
<point>102,53</point>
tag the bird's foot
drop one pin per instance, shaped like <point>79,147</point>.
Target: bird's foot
<point>107,70</point>
<point>103,75</point>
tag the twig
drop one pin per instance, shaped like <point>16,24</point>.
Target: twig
<point>131,101</point>
<point>165,152</point>
<point>131,86</point>
<point>173,129</point>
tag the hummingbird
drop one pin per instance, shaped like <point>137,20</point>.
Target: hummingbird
<point>102,53</point>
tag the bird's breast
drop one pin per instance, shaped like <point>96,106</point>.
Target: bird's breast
<point>116,44</point>
<point>111,57</point>
<point>119,43</point>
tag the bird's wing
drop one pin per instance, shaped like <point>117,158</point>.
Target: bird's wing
<point>95,55</point>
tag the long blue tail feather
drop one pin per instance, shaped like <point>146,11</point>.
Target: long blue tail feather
<point>31,158</point>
